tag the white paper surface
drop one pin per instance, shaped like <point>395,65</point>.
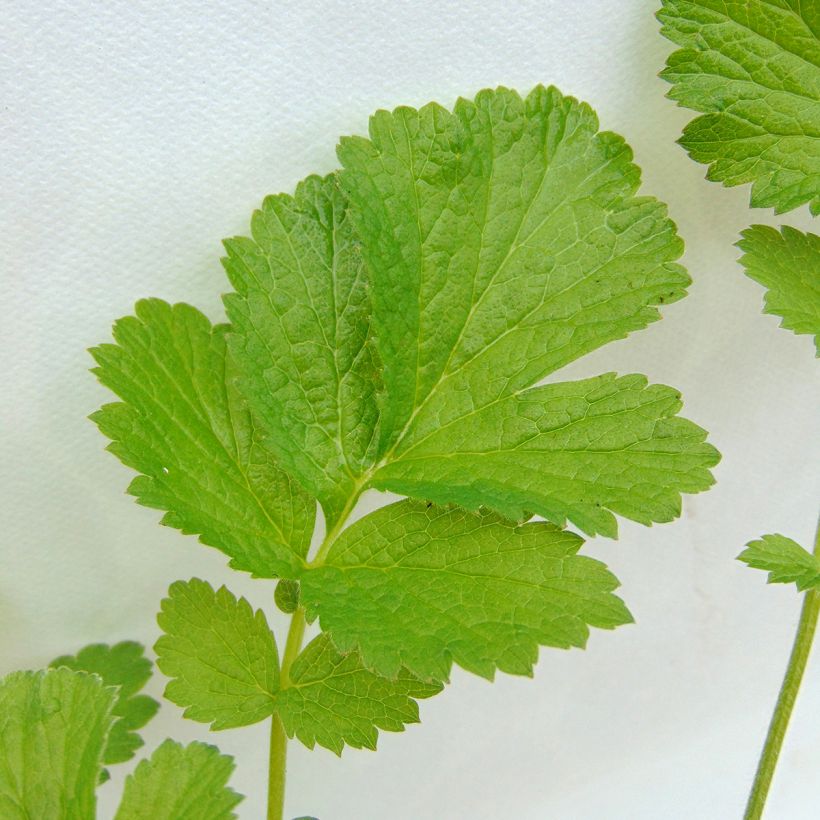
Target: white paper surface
<point>135,136</point>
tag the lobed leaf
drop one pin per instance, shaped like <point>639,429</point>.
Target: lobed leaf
<point>301,318</point>
<point>125,666</point>
<point>180,783</point>
<point>220,655</point>
<point>504,241</point>
<point>54,726</point>
<point>332,699</point>
<point>184,427</point>
<point>753,69</point>
<point>379,327</point>
<point>224,667</point>
<point>787,264</point>
<point>577,451</point>
<point>417,586</point>
<point>785,561</point>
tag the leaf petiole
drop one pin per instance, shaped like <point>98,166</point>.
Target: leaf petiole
<point>786,699</point>
<point>277,761</point>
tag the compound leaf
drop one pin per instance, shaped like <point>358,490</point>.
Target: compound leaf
<point>332,699</point>
<point>418,586</point>
<point>785,561</point>
<point>220,655</point>
<point>787,264</point>
<point>301,317</point>
<point>125,666</point>
<point>183,426</point>
<point>753,70</point>
<point>180,783</point>
<point>504,241</point>
<point>53,729</point>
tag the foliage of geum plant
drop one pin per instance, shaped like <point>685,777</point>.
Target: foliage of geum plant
<point>753,71</point>
<point>61,727</point>
<point>387,328</point>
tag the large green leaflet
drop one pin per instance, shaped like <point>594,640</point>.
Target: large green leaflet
<point>185,428</point>
<point>125,666</point>
<point>753,69</point>
<point>53,730</point>
<point>576,451</point>
<point>224,668</point>
<point>418,586</point>
<point>301,326</point>
<point>505,241</point>
<point>787,264</point>
<point>180,783</point>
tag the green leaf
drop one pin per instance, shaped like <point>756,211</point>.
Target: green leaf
<point>122,665</point>
<point>300,318</point>
<point>785,561</point>
<point>417,586</point>
<point>180,783</point>
<point>753,70</point>
<point>576,451</point>
<point>53,728</point>
<point>332,699</point>
<point>224,667</point>
<point>184,426</point>
<point>220,655</point>
<point>787,264</point>
<point>504,241</point>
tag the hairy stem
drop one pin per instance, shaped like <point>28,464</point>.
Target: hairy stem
<point>785,701</point>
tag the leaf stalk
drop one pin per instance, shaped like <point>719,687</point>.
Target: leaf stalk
<point>277,761</point>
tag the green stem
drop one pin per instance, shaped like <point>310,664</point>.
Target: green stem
<point>276,769</point>
<point>277,763</point>
<point>338,525</point>
<point>785,701</point>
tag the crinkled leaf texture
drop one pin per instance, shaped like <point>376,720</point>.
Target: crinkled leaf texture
<point>785,561</point>
<point>183,426</point>
<point>54,726</point>
<point>180,783</point>
<point>787,264</point>
<point>224,668</point>
<point>388,332</point>
<point>388,328</point>
<point>125,666</point>
<point>577,451</point>
<point>506,241</point>
<point>301,319</point>
<point>753,69</point>
<point>419,587</point>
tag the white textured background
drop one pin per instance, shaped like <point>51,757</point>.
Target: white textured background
<point>134,136</point>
